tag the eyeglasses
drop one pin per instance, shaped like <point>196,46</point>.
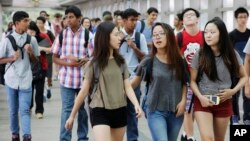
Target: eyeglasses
<point>242,17</point>
<point>159,35</point>
<point>189,15</point>
<point>119,33</point>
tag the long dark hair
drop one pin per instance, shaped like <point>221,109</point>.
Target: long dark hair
<point>101,51</point>
<point>173,54</point>
<point>33,26</point>
<point>227,52</point>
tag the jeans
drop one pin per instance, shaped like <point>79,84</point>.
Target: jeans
<point>19,100</point>
<point>68,97</point>
<point>132,127</point>
<point>246,107</point>
<point>164,126</point>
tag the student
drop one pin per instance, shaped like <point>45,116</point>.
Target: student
<point>246,116</point>
<point>18,75</point>
<point>239,38</point>
<point>178,23</point>
<point>165,103</point>
<point>132,52</point>
<point>40,21</point>
<point>86,23</point>
<point>214,70</point>
<point>145,26</point>
<point>38,83</point>
<point>191,41</point>
<point>72,56</point>
<point>108,106</point>
<point>118,19</point>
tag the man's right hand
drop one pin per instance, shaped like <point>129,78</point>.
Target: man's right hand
<point>16,55</point>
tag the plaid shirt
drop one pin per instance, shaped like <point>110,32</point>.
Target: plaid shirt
<point>72,44</point>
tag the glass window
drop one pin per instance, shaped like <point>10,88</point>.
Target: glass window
<point>186,3</point>
<point>171,5</point>
<point>204,4</point>
<point>228,3</point>
<point>228,19</point>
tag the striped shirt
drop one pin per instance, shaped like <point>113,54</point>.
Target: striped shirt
<point>72,44</point>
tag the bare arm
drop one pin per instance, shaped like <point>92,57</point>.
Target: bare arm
<point>247,68</point>
<point>205,102</point>
<point>137,51</point>
<point>73,63</point>
<point>131,95</point>
<point>45,49</point>
<point>13,58</point>
<point>135,81</point>
<point>180,109</point>
<point>78,102</point>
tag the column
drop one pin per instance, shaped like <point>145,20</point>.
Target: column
<point>1,21</point>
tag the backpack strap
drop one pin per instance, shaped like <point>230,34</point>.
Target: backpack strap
<point>95,81</point>
<point>142,26</point>
<point>13,42</point>
<point>149,73</point>
<point>60,38</point>
<point>179,38</point>
<point>86,37</point>
<point>138,39</point>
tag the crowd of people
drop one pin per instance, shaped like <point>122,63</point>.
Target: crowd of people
<point>191,74</point>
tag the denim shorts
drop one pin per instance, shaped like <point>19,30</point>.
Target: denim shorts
<point>115,118</point>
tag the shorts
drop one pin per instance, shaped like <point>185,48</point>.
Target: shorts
<point>115,118</point>
<point>224,109</point>
<point>189,99</point>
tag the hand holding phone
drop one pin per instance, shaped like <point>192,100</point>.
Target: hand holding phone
<point>214,98</point>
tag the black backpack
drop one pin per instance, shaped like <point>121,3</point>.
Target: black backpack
<point>95,82</point>
<point>142,25</point>
<point>15,48</point>
<point>86,38</point>
<point>36,67</point>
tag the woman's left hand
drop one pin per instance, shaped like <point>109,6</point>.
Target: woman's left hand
<point>225,94</point>
<point>180,109</point>
<point>138,111</point>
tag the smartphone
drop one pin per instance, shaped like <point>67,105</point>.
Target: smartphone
<point>214,98</point>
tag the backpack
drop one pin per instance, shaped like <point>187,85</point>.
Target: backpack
<point>15,47</point>
<point>36,67</point>
<point>142,25</point>
<point>95,82</point>
<point>86,38</point>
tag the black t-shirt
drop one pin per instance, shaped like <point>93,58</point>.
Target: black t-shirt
<point>239,40</point>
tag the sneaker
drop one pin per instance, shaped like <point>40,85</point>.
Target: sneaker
<point>27,138</point>
<point>48,94</point>
<point>247,122</point>
<point>235,120</point>
<point>15,137</point>
<point>183,137</point>
<point>39,115</point>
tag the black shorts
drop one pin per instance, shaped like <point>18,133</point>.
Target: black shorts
<point>115,118</point>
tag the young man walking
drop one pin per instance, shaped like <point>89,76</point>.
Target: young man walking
<point>145,26</point>
<point>132,53</point>
<point>18,75</point>
<point>71,55</point>
<point>191,40</point>
<point>239,37</point>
